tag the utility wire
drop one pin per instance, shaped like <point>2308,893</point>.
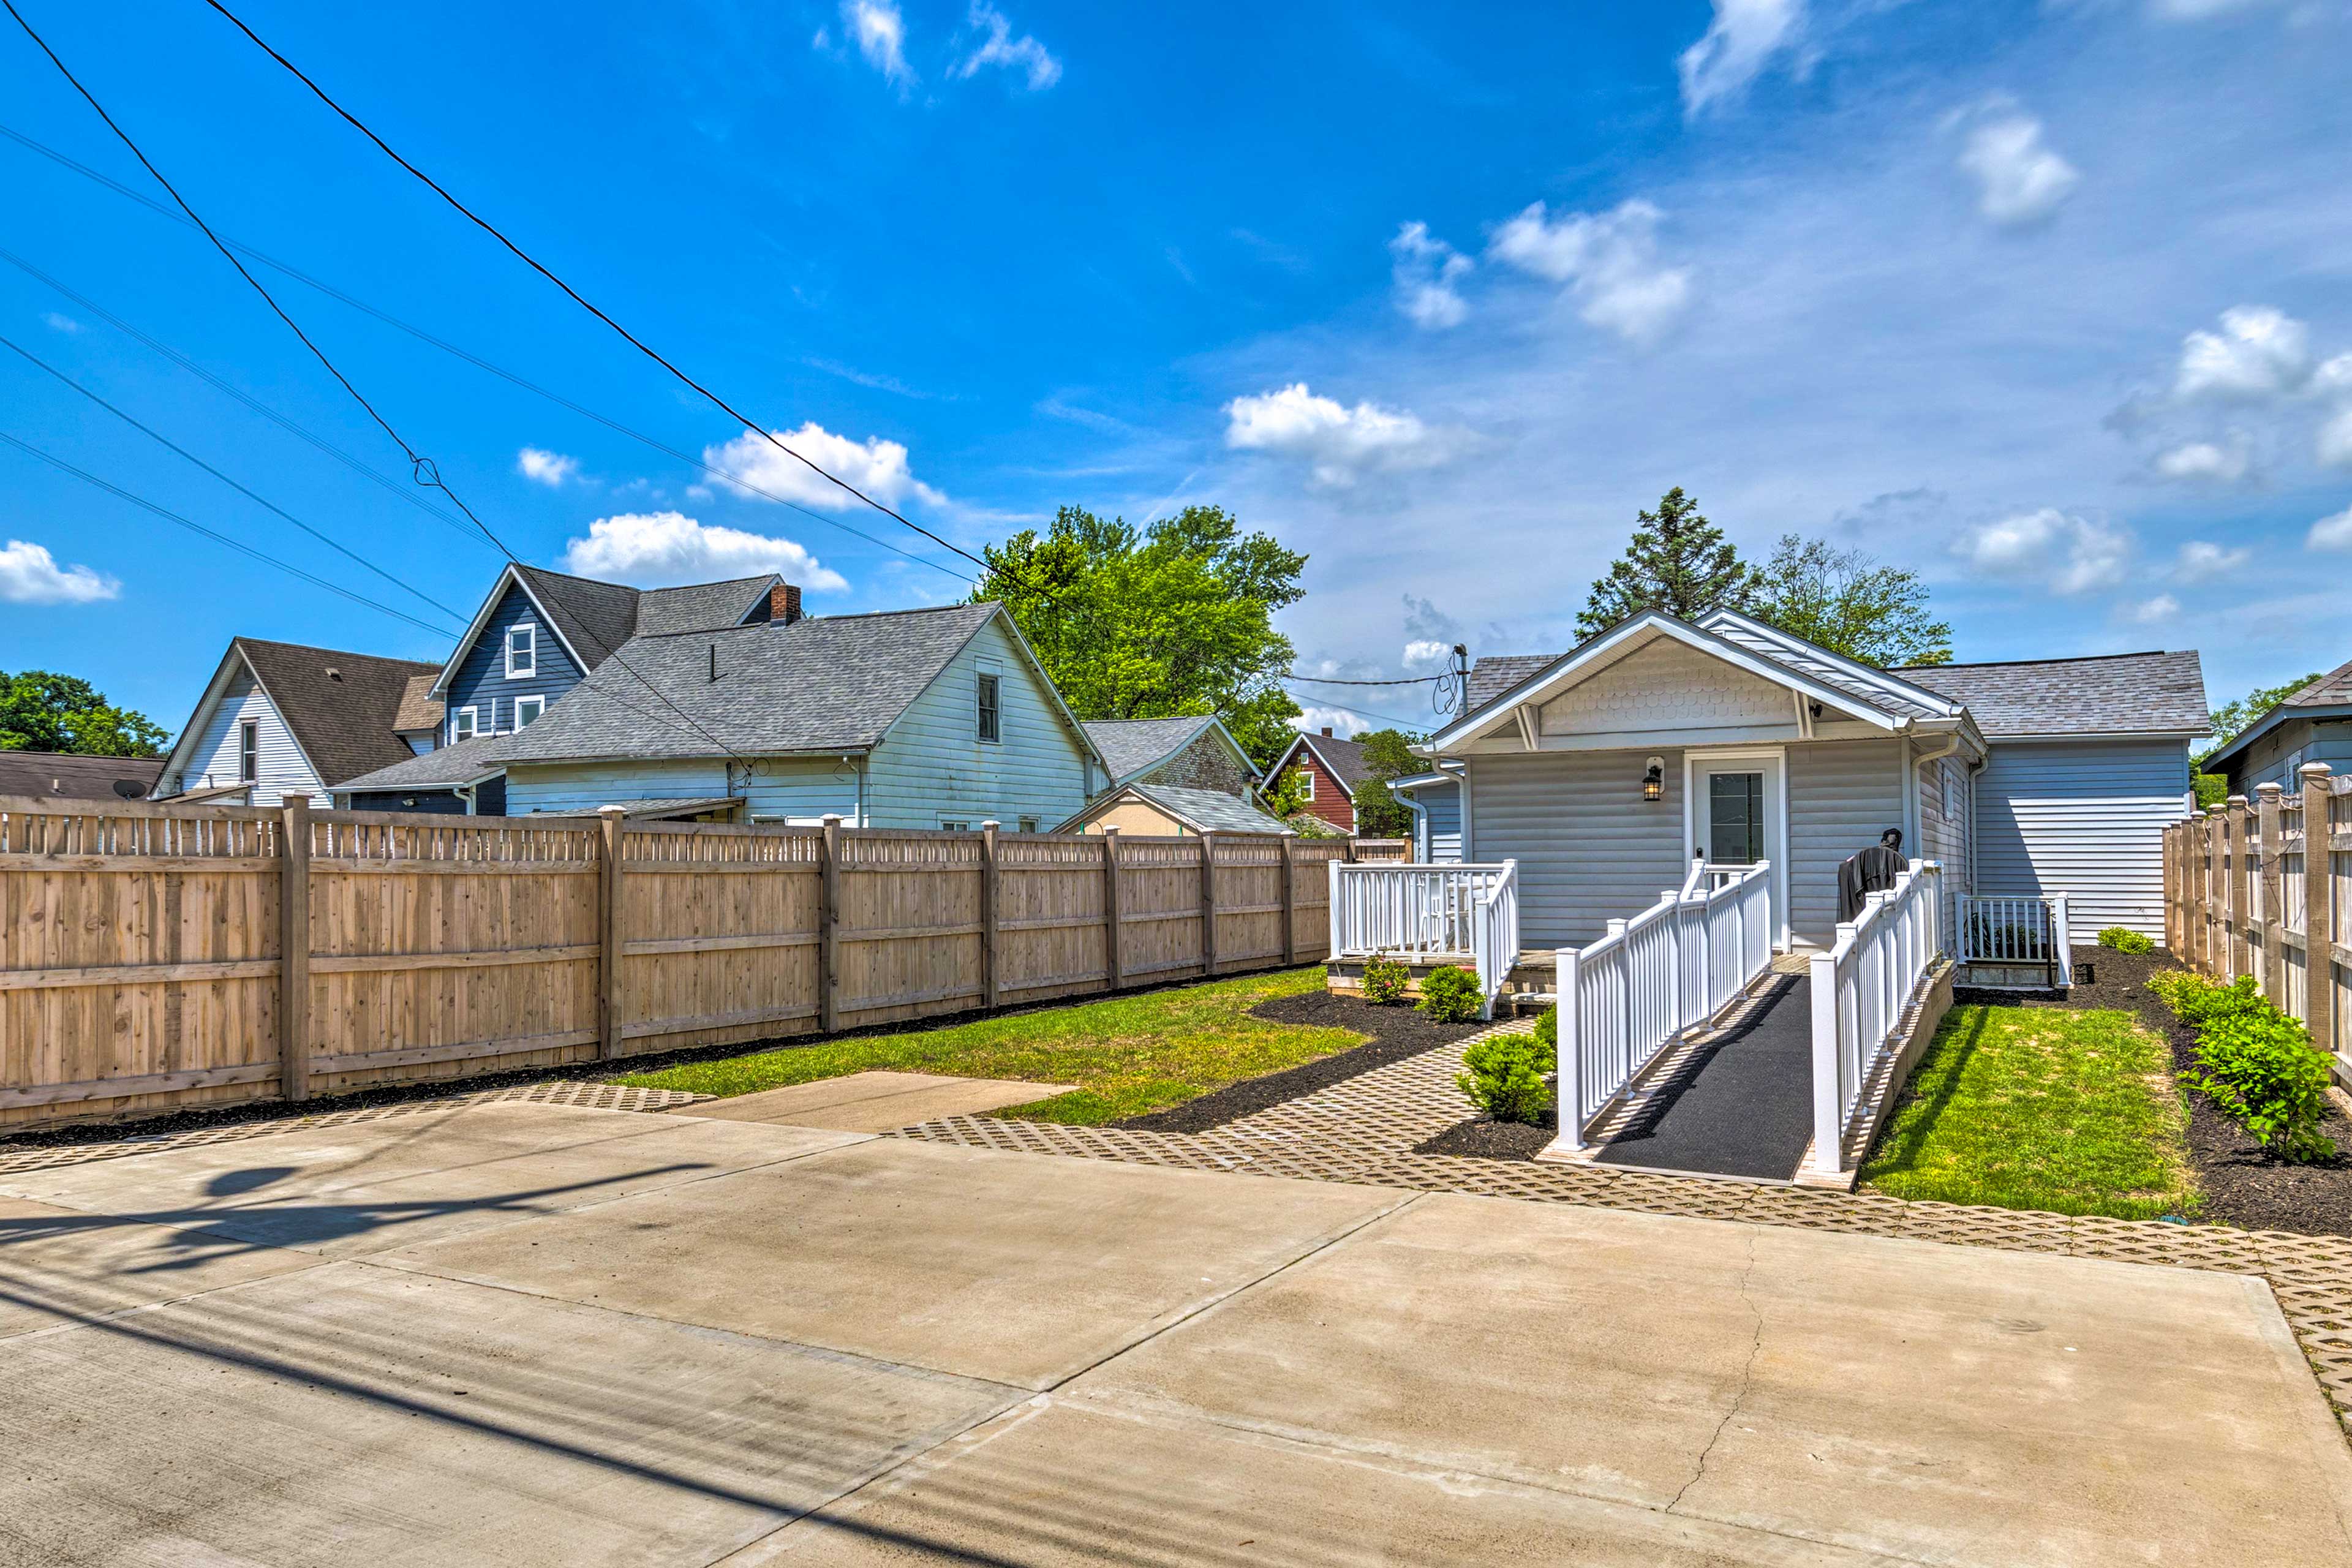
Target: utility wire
<point>169,445</point>
<point>218,538</point>
<point>1319,681</point>
<point>478,362</point>
<point>425,471</point>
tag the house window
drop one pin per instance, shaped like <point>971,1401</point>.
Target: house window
<point>992,722</point>
<point>527,709</point>
<point>461,725</point>
<point>1735,805</point>
<point>1028,825</point>
<point>955,824</point>
<point>1306,783</point>
<point>249,749</point>
<point>522,651</point>
<point>1951,792</point>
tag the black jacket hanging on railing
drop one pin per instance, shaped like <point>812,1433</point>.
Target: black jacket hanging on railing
<point>1875,871</point>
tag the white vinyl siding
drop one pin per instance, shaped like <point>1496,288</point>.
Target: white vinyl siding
<point>1441,822</point>
<point>1944,818</point>
<point>2278,757</point>
<point>279,769</point>
<point>932,762</point>
<point>2086,818</point>
<point>1590,847</point>
<point>1842,795</point>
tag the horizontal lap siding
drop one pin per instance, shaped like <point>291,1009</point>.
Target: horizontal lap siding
<point>281,771</point>
<point>932,762</point>
<point>1589,847</point>
<point>583,786</point>
<point>481,681</point>
<point>2086,819</point>
<point>1443,804</point>
<point>1842,796</point>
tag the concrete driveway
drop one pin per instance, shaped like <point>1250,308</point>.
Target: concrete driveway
<point>531,1334</point>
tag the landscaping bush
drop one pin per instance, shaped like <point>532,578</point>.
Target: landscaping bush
<point>1505,1078</point>
<point>2254,1061</point>
<point>1385,981</point>
<point>1449,995</point>
<point>2123,939</point>
<point>1548,1030</point>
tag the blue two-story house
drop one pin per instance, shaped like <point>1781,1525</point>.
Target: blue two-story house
<point>538,635</point>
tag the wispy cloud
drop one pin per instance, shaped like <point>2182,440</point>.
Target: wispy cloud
<point>878,30</point>
<point>998,47</point>
<point>541,467</point>
<point>2020,181</point>
<point>1607,261</point>
<point>1425,271</point>
<point>29,574</point>
<point>2072,554</point>
<point>1746,36</point>
<point>1342,446</point>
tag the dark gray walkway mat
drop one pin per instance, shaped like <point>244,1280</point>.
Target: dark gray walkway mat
<point>1743,1105</point>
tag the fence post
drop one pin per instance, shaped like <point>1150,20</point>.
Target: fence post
<point>1208,903</point>
<point>2319,912</point>
<point>988,885</point>
<point>294,948</point>
<point>1829,1150</point>
<point>2242,888</point>
<point>1111,954</point>
<point>1289,900</point>
<point>828,915</point>
<point>1331,876</point>
<point>2267,868</point>
<point>1569,1064</point>
<point>2216,897</point>
<point>608,934</point>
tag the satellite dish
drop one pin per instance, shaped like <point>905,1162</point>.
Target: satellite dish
<point>129,789</point>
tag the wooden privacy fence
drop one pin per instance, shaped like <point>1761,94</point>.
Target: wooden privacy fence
<point>160,957</point>
<point>2261,888</point>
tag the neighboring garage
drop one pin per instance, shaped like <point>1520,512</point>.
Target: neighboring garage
<point>2089,764</point>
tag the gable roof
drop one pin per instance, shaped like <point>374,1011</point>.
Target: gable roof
<point>1202,810</point>
<point>2106,694</point>
<point>1343,759</point>
<point>65,775</point>
<point>2329,695</point>
<point>419,709</point>
<point>593,618</point>
<point>342,708</point>
<point>1134,746</point>
<point>820,684</point>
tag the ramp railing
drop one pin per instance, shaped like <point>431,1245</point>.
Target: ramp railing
<point>1862,987</point>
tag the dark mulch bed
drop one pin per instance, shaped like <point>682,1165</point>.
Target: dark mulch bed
<point>1482,1138</point>
<point>1397,1033</point>
<point>2244,1186</point>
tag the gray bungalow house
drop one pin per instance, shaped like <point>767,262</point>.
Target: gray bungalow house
<point>1603,769</point>
<point>925,718</point>
<point>2313,726</point>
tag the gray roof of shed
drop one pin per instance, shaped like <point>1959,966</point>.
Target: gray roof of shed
<point>1209,810</point>
<point>2119,693</point>
<point>1131,746</point>
<point>819,684</point>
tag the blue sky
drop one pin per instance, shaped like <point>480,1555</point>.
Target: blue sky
<point>2049,301</point>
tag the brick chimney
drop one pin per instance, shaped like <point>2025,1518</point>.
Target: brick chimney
<point>1327,731</point>
<point>783,603</point>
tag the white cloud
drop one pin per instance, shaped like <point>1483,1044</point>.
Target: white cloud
<point>1609,261</point>
<point>2201,560</point>
<point>2071,554</point>
<point>2258,353</point>
<point>875,466</point>
<point>1000,47</point>
<point>1426,271</point>
<point>655,549</point>
<point>1342,445</point>
<point>1425,653</point>
<point>2153,612</point>
<point>542,467</point>
<point>880,31</point>
<point>1335,719</point>
<point>2020,181</point>
<point>2334,444</point>
<point>2207,462</point>
<point>29,574</point>
<point>2199,10</point>
<point>1738,44</point>
<point>2331,532</point>
<point>59,321</point>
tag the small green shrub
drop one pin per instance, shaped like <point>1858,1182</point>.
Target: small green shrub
<point>2254,1061</point>
<point>1506,1079</point>
<point>2123,939</point>
<point>1385,981</point>
<point>1449,995</point>
<point>1548,1030</point>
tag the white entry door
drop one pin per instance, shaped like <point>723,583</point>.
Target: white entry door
<point>1735,813</point>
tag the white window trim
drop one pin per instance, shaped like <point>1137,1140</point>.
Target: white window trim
<point>1774,762</point>
<point>1308,775</point>
<point>529,630</point>
<point>538,706</point>
<point>473,722</point>
<point>248,727</point>
<point>982,682</point>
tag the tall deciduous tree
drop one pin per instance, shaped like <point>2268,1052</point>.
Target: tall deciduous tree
<point>1845,601</point>
<point>1677,562</point>
<point>41,710</point>
<point>1150,624</point>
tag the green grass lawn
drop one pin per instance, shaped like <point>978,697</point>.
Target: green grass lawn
<point>1130,1055</point>
<point>2039,1108</point>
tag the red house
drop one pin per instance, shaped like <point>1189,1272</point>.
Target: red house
<point>1332,768</point>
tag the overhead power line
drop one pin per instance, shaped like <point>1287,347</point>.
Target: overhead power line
<point>1319,681</point>
<point>169,445</point>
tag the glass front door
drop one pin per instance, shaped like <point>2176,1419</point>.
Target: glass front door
<point>1735,818</point>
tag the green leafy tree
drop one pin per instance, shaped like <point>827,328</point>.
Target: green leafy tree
<point>1388,753</point>
<point>1845,601</point>
<point>1677,562</point>
<point>2231,718</point>
<point>41,710</point>
<point>1154,623</point>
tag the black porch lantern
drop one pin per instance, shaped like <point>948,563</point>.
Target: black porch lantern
<point>1654,781</point>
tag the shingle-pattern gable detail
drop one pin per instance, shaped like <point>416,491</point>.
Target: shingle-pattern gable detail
<point>813,685</point>
<point>2125,693</point>
<point>342,708</point>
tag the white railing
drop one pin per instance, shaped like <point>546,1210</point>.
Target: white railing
<point>1418,913</point>
<point>1862,987</point>
<point>2016,931</point>
<point>1673,967</point>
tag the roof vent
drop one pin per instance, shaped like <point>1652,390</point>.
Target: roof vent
<point>334,674</point>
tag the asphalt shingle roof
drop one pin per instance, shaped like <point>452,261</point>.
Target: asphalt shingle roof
<point>343,708</point>
<point>2330,690</point>
<point>419,709</point>
<point>1131,746</point>
<point>1211,811</point>
<point>1497,673</point>
<point>2106,694</point>
<point>820,684</point>
<point>438,769</point>
<point>700,607</point>
<point>1344,758</point>
<point>66,776</point>
<point>597,617</point>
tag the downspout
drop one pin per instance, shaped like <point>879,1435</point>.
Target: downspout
<point>466,792</point>
<point>1411,802</point>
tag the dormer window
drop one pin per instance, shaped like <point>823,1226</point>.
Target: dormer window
<point>522,651</point>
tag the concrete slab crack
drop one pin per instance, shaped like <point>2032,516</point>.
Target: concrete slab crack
<point>1747,1380</point>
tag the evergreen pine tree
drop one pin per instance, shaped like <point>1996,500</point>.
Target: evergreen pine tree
<point>1678,562</point>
